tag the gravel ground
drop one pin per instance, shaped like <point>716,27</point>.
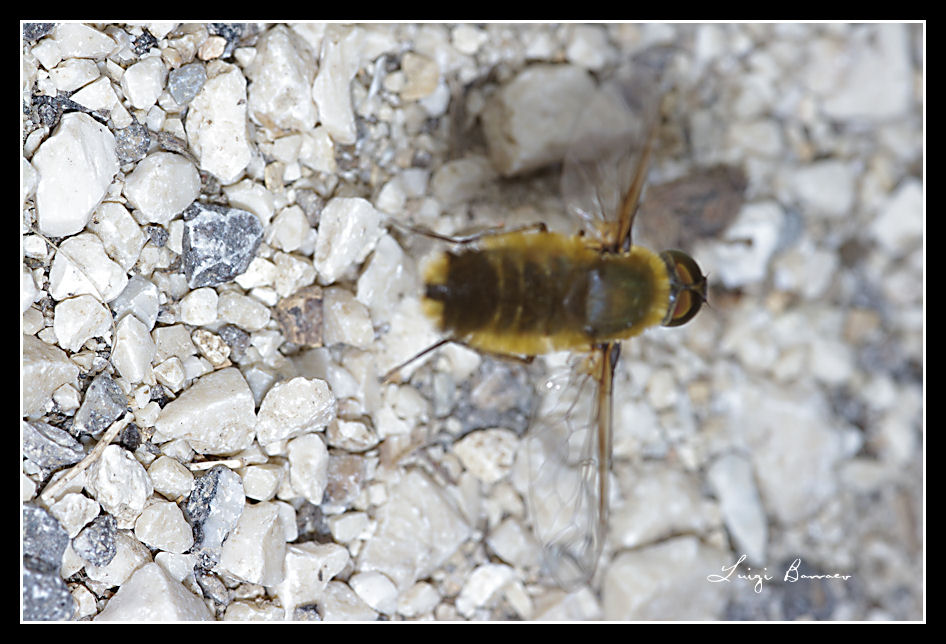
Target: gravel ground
<point>216,273</point>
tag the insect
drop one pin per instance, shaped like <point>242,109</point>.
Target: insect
<point>532,292</point>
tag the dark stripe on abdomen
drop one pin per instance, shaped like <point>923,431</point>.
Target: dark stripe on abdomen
<point>506,290</point>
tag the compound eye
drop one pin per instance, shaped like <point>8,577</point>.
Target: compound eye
<point>687,287</point>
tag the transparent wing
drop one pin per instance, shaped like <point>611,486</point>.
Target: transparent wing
<point>567,458</point>
<point>604,170</point>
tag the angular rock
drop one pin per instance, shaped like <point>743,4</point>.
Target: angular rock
<point>219,243</point>
<point>50,447</point>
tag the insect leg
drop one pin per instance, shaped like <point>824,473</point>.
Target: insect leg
<point>389,376</point>
<point>609,359</point>
<point>469,239</point>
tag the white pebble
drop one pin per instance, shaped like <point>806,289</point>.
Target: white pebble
<point>120,484</point>
<point>134,350</point>
<point>119,233</point>
<point>161,186</point>
<point>216,415</point>
<point>421,75</point>
<point>256,547</point>
<point>658,582</point>
<point>348,231</point>
<point>47,52</point>
<point>32,322</point>
<point>459,180</point>
<point>85,602</point>
<point>288,229</point>
<point>35,246</point>
<point>291,274</point>
<point>309,567</point>
<point>482,587</point>
<point>748,246</point>
<point>72,74</point>
<point>260,273</point>
<point>100,95</point>
<point>211,346</point>
<point>173,341</point>
<point>74,511</point>
<point>348,526</point>
<point>662,388</point>
<point>212,48</point>
<point>78,319</point>
<point>831,360</point>
<point>826,187</point>
<point>141,299</point>
<point>662,501</point>
<point>286,148</point>
<point>733,483</point>
<point>488,454</point>
<point>793,432</point>
<point>294,407</point>
<point>806,270</point>
<point>751,341</point>
<point>43,369</point>
<point>529,122</point>
<point>318,150</point>
<point>216,123</point>
<point>66,398</point>
<point>437,102</point>
<point>345,320</point>
<point>588,47</point>
<point>391,198</point>
<point>762,137</point>
<point>899,225</point>
<point>514,544</point>
<point>418,529</point>
<point>242,310</point>
<point>467,39</point>
<point>195,367</point>
<point>385,279</point>
<point>754,97</point>
<point>75,165</point>
<point>170,478</point>
<point>331,90</point>
<point>81,266</point>
<point>260,482</point>
<point>253,197</point>
<point>351,435</point>
<point>77,40</point>
<point>282,74</point>
<point>28,291</point>
<point>419,599</point>
<point>160,29</point>
<point>308,467</point>
<point>178,567</point>
<point>161,525</point>
<point>151,596</point>
<point>199,307</point>
<point>32,143</point>
<point>340,603</point>
<point>875,80</point>
<point>376,590</point>
<point>254,611</point>
<point>143,82</point>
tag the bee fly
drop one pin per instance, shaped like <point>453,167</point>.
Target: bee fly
<point>532,292</point>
